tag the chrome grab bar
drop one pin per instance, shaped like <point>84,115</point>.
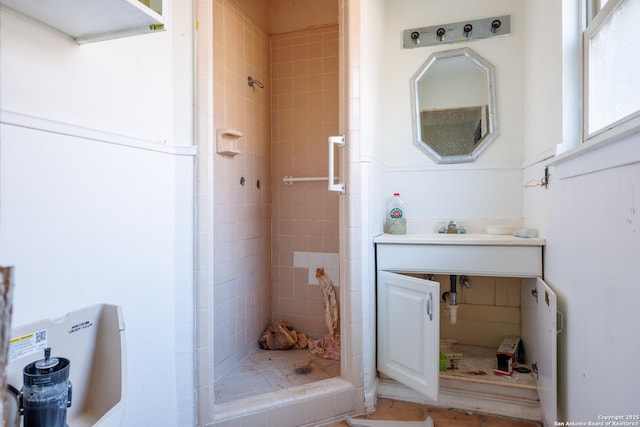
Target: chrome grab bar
<point>338,141</point>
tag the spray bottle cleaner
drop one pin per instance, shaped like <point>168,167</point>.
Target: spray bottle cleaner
<point>396,222</point>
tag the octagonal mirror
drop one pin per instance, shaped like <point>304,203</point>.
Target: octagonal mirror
<point>453,106</point>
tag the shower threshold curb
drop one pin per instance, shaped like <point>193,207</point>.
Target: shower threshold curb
<point>280,398</point>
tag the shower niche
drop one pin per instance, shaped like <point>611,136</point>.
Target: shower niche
<point>412,276</point>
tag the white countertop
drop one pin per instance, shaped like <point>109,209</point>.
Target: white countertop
<point>459,239</point>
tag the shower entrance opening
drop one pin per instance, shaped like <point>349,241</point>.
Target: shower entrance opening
<point>276,92</point>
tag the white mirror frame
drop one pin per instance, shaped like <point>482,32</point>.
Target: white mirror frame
<point>420,140</point>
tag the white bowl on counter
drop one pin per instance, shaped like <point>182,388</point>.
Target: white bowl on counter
<point>499,229</point>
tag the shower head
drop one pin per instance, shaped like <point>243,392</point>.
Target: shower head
<point>251,82</point>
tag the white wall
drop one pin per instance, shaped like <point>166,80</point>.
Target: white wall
<point>593,242</point>
<point>504,53</point>
<point>487,188</point>
<point>589,217</point>
<point>542,127</point>
<point>96,188</point>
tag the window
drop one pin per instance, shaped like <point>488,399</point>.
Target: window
<point>593,7</point>
<point>611,67</point>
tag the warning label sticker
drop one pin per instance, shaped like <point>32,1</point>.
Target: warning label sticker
<point>25,345</point>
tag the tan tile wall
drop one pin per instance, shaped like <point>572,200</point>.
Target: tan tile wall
<point>242,214</point>
<point>488,311</point>
<point>304,79</point>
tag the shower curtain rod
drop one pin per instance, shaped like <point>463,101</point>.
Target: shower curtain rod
<point>289,180</point>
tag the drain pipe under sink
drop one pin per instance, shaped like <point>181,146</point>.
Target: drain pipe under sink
<point>452,308</point>
<point>453,300</point>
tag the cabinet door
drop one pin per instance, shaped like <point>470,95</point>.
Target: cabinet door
<point>539,310</point>
<point>409,331</point>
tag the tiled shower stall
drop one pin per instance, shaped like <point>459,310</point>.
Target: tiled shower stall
<point>260,240</point>
<point>261,224</point>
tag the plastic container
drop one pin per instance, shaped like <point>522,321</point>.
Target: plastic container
<point>444,362</point>
<point>396,223</point>
<point>46,393</point>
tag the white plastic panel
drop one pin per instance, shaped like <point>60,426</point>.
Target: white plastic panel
<point>409,331</point>
<point>93,340</point>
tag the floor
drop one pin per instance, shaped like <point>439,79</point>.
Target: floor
<point>477,366</point>
<point>266,371</point>
<point>404,411</point>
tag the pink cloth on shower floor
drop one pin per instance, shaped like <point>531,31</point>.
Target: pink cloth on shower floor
<point>327,347</point>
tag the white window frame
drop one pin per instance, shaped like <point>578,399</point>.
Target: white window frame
<point>595,18</point>
<point>593,8</point>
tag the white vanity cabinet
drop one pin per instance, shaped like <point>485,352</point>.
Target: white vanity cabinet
<point>408,307</point>
<point>409,331</point>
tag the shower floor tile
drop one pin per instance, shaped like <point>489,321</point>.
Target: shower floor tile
<point>266,371</point>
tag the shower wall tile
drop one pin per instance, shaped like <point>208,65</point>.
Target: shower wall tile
<point>310,261</point>
<point>205,402</point>
<point>204,185</point>
<point>241,209</point>
<point>304,79</point>
<point>356,364</point>
<point>203,293</point>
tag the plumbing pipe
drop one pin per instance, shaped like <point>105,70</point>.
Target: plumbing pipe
<point>453,300</point>
<point>445,295</point>
<point>465,281</point>
<point>453,314</point>
<point>251,81</point>
<point>453,297</point>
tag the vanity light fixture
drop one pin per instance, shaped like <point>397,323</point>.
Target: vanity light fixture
<point>457,32</point>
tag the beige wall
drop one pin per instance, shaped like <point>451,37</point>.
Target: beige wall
<point>242,215</point>
<point>257,10</point>
<point>286,16</point>
<point>488,311</point>
<point>304,82</point>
